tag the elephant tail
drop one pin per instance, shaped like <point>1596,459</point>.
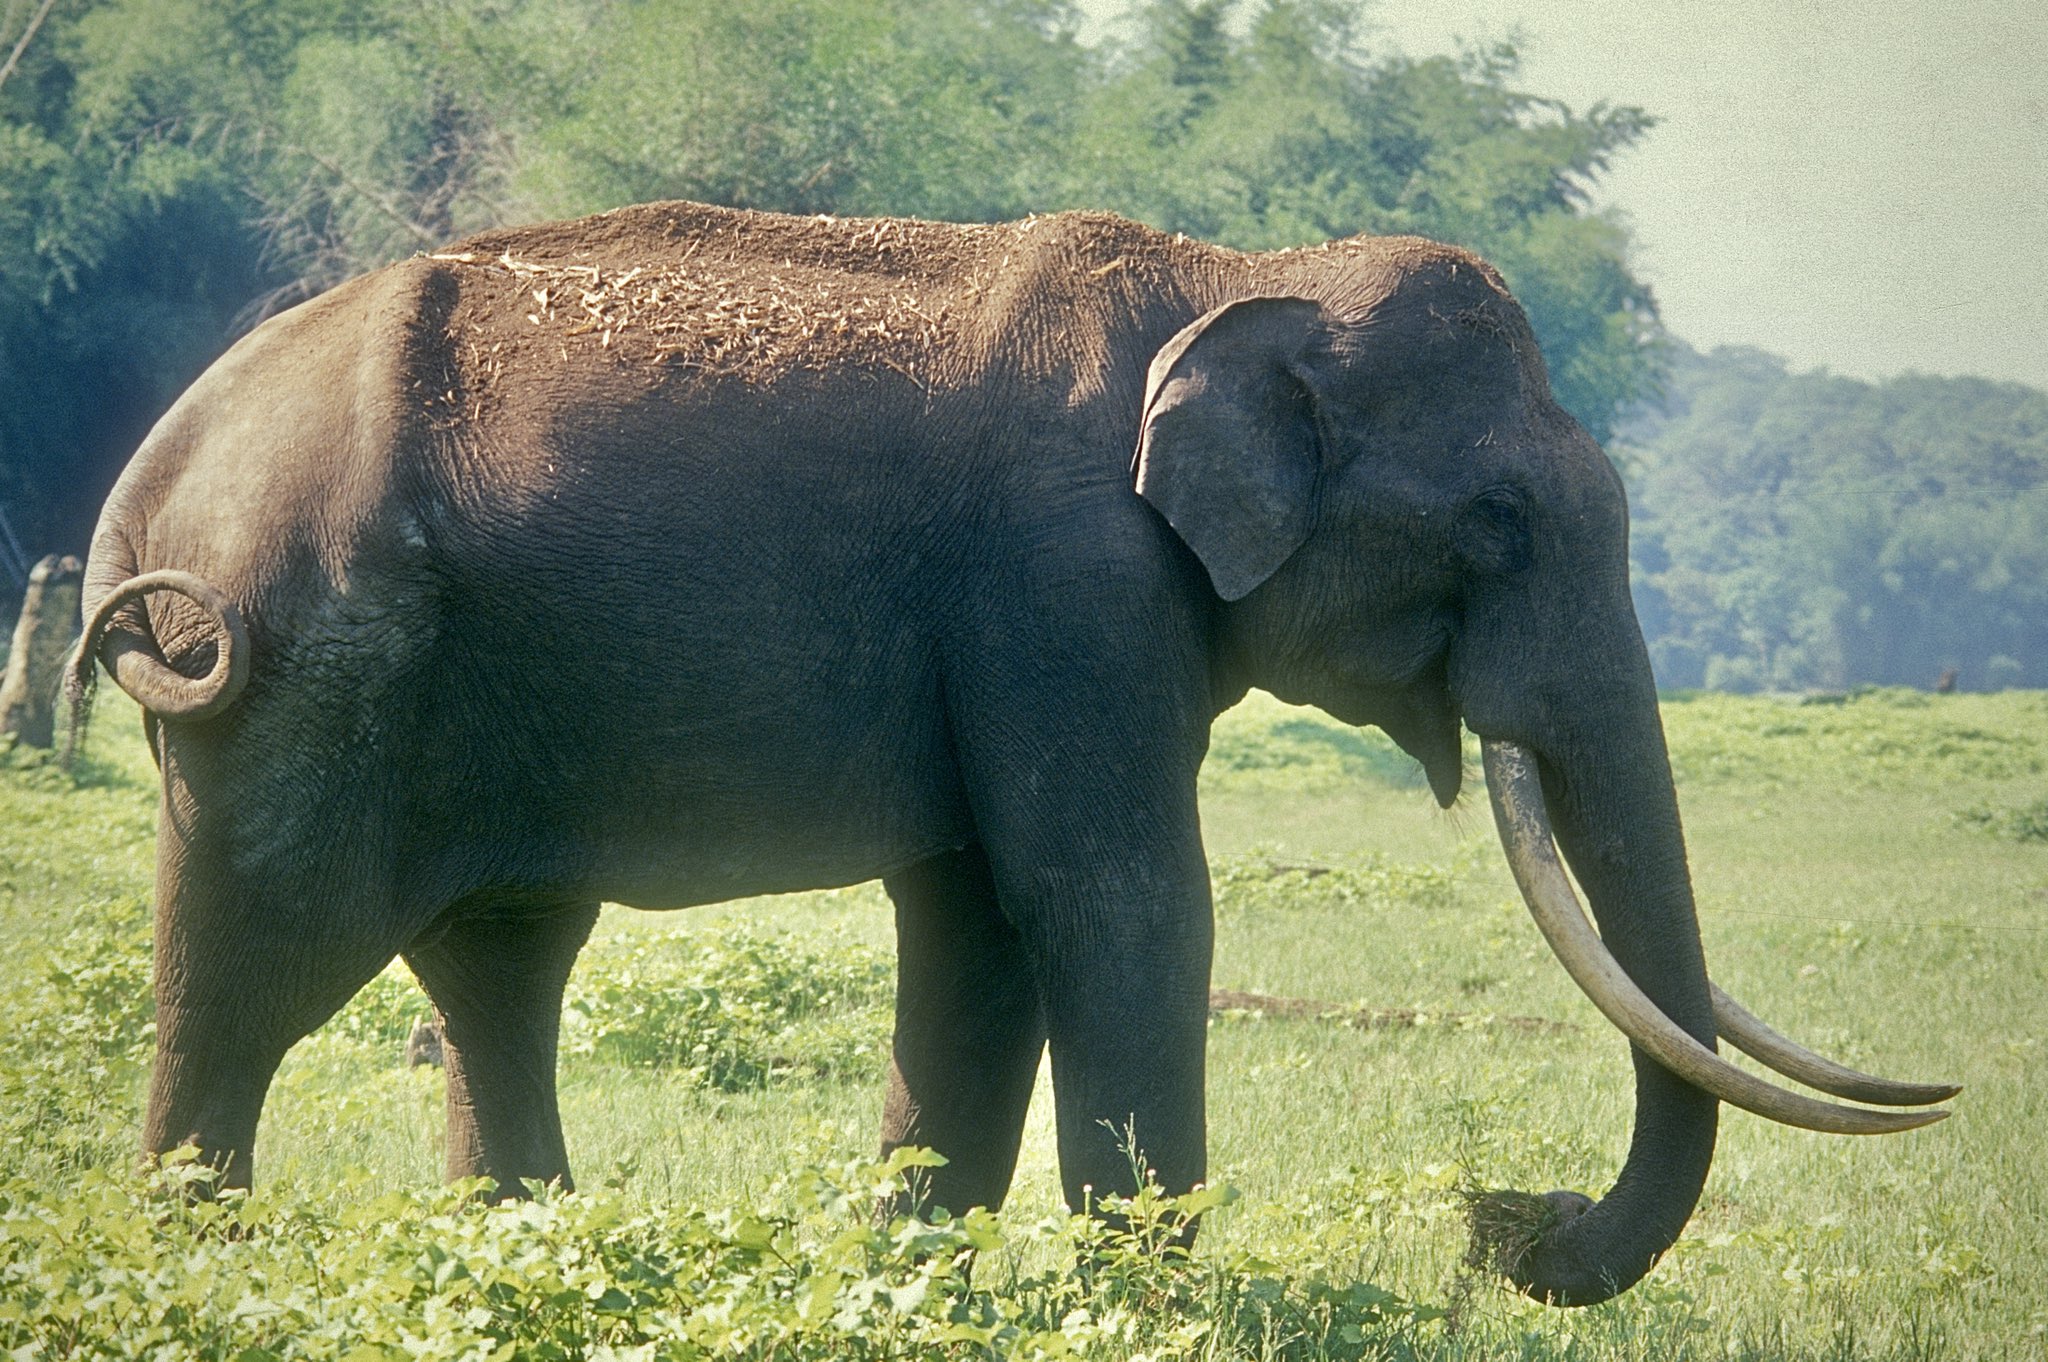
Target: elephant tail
<point>136,661</point>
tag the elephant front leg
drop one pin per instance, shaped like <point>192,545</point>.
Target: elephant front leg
<point>1111,897</point>
<point>496,973</point>
<point>1126,1005</point>
<point>968,1033</point>
<point>1080,722</point>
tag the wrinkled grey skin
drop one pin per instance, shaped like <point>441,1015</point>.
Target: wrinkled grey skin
<point>823,550</point>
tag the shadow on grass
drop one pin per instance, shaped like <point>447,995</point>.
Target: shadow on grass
<point>42,768</point>
<point>1311,743</point>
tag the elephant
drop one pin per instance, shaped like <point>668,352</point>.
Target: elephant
<point>683,553</point>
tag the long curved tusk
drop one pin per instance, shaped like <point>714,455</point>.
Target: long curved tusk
<point>1740,1028</point>
<point>1517,796</point>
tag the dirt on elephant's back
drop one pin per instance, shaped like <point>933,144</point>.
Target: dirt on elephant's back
<point>758,295</point>
<point>750,295</point>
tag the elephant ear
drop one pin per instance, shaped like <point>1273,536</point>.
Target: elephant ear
<point>1227,444</point>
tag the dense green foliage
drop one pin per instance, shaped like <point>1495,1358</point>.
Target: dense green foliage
<point>172,170</point>
<point>1798,531</point>
<point>439,1277</point>
<point>721,1079</point>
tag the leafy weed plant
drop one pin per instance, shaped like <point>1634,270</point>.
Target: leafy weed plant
<point>2015,822</point>
<point>730,1011</point>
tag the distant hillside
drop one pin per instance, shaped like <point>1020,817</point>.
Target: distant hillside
<point>1802,530</point>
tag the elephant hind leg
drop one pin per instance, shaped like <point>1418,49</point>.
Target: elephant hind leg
<point>495,966</point>
<point>242,974</point>
<point>968,1031</point>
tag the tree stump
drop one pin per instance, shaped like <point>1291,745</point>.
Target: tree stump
<point>35,664</point>
<point>423,1046</point>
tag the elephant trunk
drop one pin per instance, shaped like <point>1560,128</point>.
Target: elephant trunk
<point>1574,749</point>
<point>1619,828</point>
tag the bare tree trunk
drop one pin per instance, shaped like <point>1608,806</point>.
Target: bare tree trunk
<point>48,623</point>
<point>14,57</point>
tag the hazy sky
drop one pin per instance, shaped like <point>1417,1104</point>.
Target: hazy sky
<point>1862,187</point>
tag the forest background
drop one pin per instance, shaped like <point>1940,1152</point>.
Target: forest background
<point>174,171</point>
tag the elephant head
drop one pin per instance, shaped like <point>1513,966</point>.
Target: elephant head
<point>1406,530</point>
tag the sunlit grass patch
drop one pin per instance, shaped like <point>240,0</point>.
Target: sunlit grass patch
<point>1887,735</point>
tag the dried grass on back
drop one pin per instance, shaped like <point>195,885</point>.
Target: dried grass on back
<point>738,294</point>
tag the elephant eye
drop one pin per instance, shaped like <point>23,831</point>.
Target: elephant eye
<point>1497,531</point>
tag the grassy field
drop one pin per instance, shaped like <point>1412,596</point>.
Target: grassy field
<point>1872,875</point>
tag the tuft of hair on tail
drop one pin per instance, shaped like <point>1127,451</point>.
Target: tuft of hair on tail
<point>81,673</point>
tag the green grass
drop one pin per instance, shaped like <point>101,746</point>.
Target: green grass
<point>1846,893</point>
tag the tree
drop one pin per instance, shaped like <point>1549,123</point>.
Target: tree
<point>1806,530</point>
<point>1294,133</point>
<point>123,256</point>
<point>940,108</point>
